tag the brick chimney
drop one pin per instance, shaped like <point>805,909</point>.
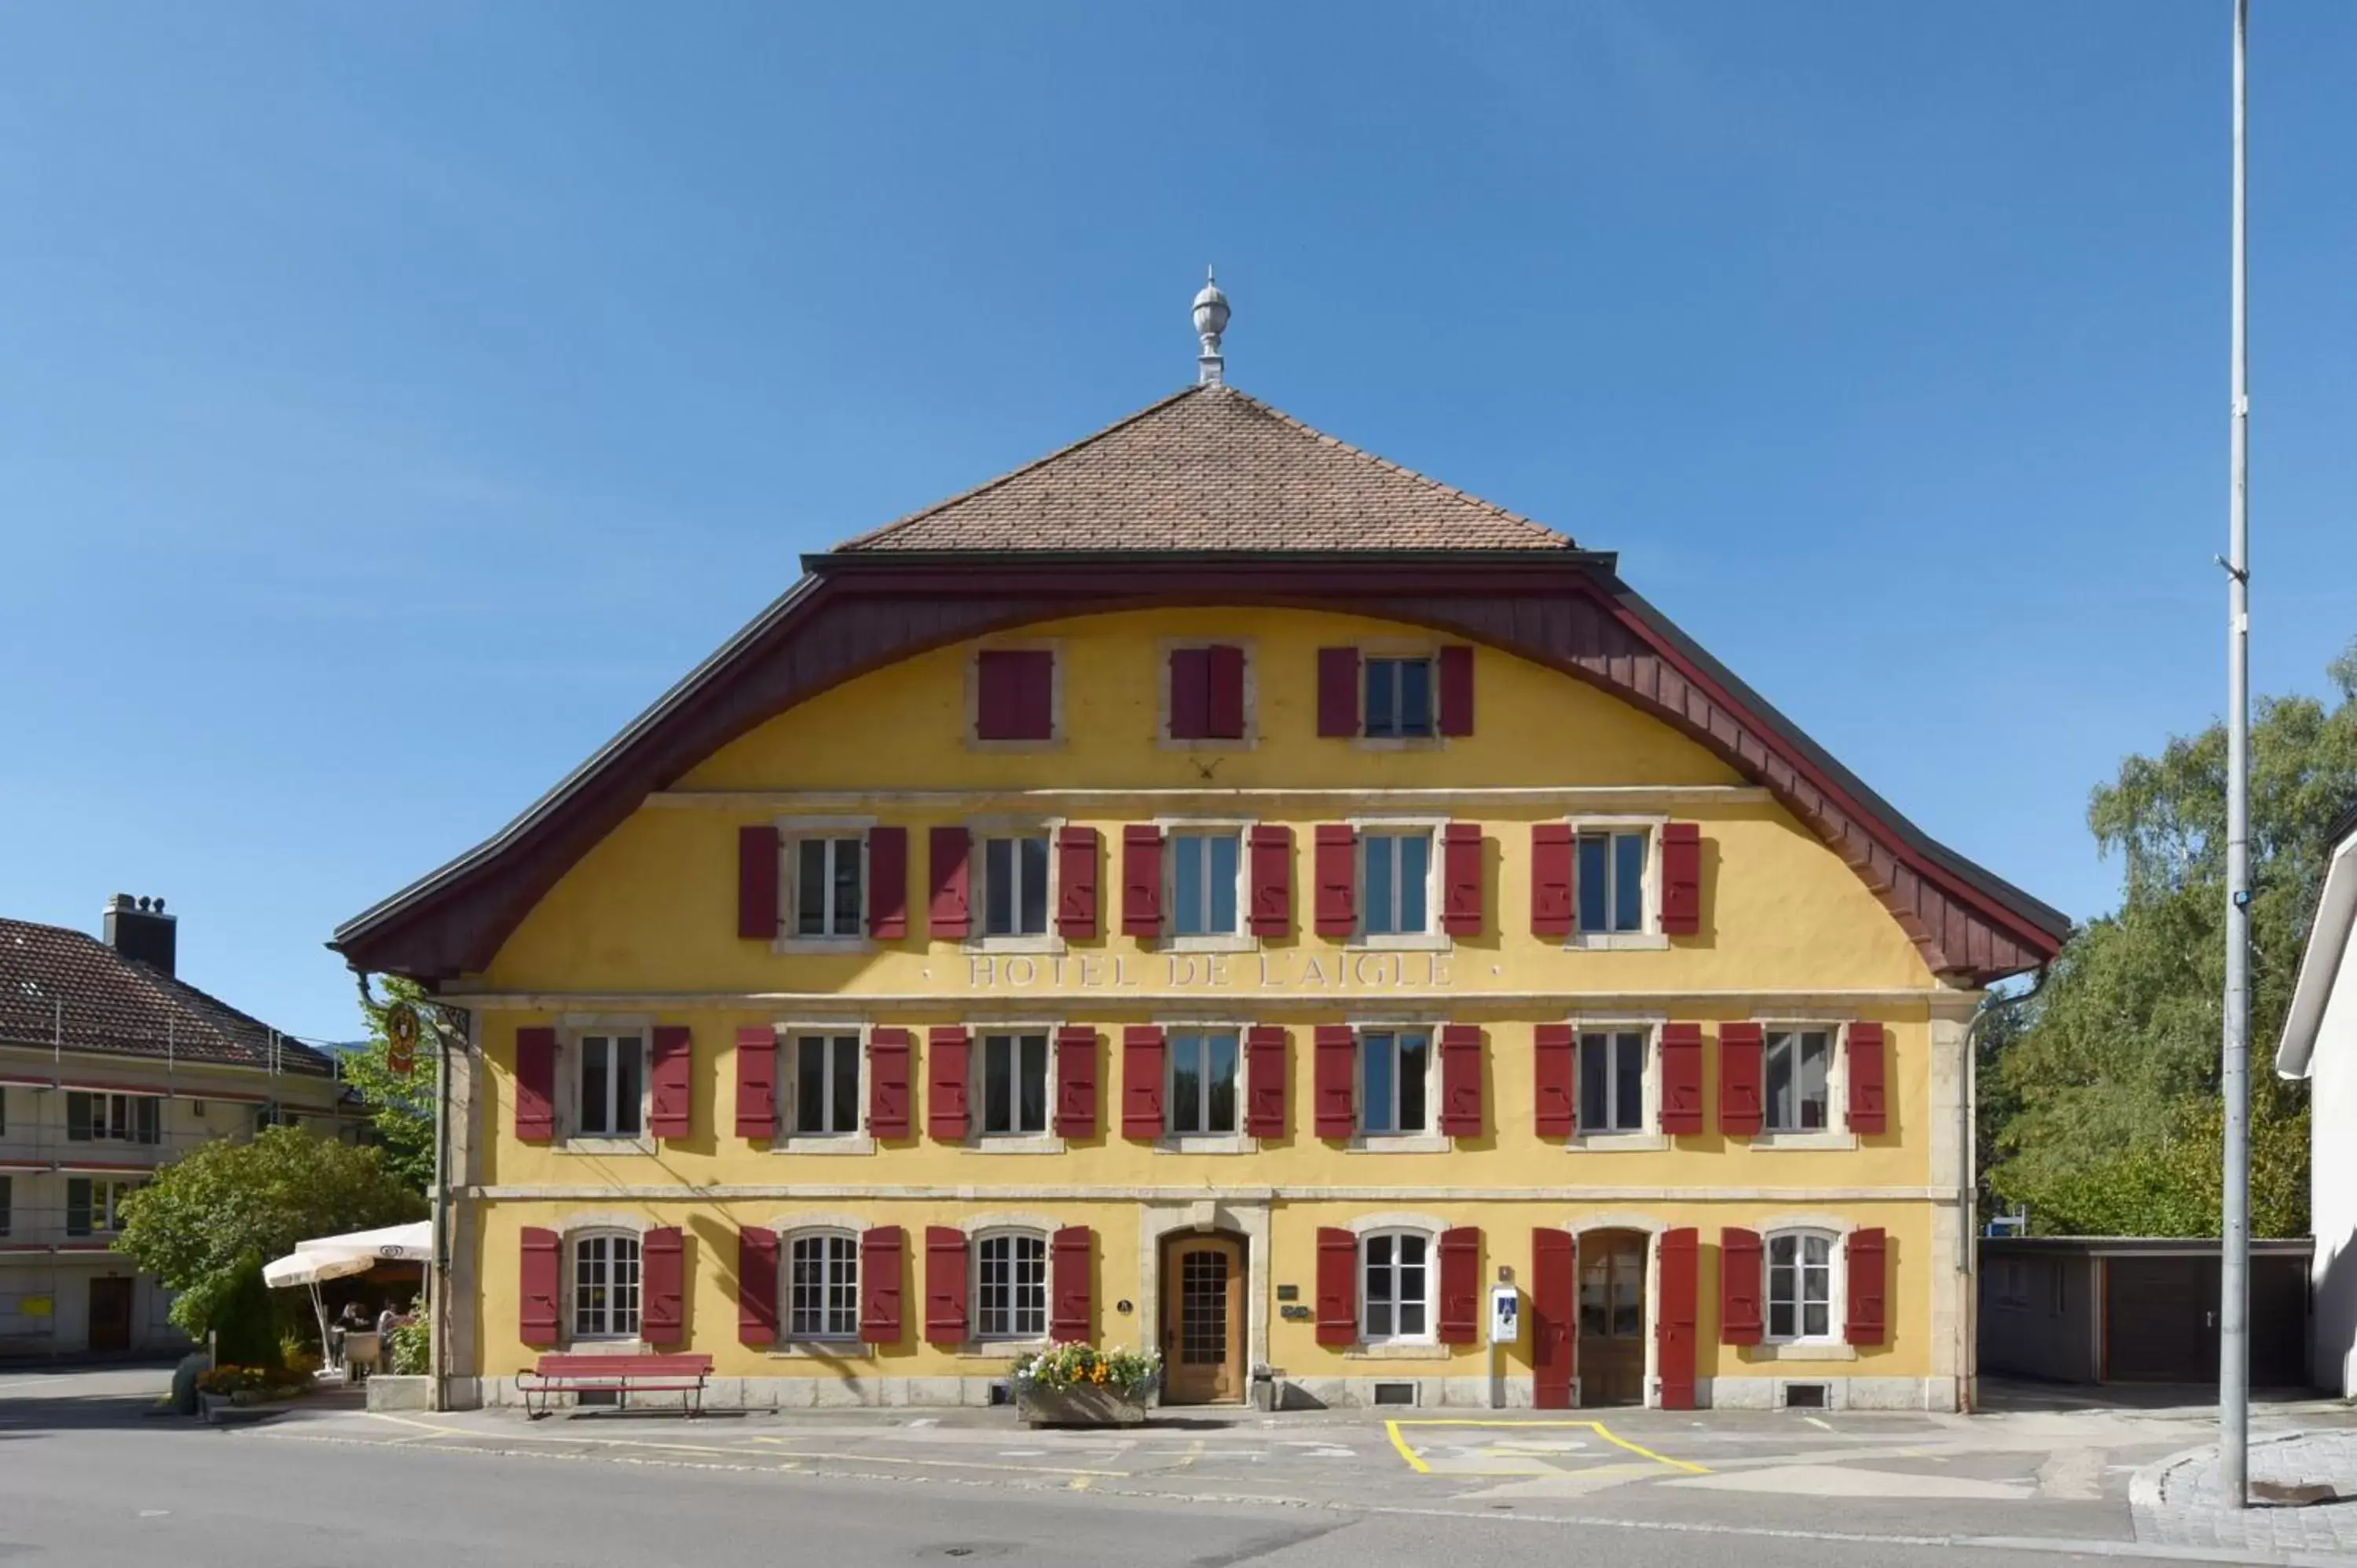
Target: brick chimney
<point>138,929</point>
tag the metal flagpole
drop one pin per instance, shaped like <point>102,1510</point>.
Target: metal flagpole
<point>2234,1086</point>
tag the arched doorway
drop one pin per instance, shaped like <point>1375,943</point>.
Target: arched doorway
<point>1202,1301</point>
<point>1611,1357</point>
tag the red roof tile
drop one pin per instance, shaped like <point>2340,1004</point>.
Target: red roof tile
<point>1210,469</point>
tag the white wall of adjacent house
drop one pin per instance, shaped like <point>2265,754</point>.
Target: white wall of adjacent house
<point>2332,1181</point>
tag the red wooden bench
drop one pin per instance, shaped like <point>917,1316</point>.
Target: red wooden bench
<point>621,1376</point>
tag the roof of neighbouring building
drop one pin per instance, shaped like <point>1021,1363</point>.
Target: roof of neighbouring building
<point>1210,468</point>
<point>66,988</point>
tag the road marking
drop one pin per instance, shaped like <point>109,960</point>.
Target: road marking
<point>1082,1483</point>
<point>1812,1421</point>
<point>1618,1441</point>
<point>1414,1460</point>
<point>1417,1461</point>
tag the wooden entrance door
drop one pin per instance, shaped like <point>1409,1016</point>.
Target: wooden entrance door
<point>1612,1317</point>
<point>110,1312</point>
<point>1202,1320</point>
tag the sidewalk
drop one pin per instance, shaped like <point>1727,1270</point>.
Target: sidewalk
<point>2178,1501</point>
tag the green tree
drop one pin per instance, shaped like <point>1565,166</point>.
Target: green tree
<point>2109,1085</point>
<point>212,1218</point>
<point>401,1105</point>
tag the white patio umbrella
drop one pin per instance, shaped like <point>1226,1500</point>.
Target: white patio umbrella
<point>339,1257</point>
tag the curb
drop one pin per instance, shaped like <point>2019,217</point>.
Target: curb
<point>2144,1486</point>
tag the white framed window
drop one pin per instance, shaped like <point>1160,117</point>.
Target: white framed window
<point>1016,884</point>
<point>1395,1080</point>
<point>1611,880</point>
<point>1395,1287</point>
<point>1799,1072</point>
<point>1205,870</point>
<point>822,1285</point>
<point>1010,1285</point>
<point>1205,1091</point>
<point>113,1117</point>
<point>1401,696</point>
<point>826,892</point>
<point>605,1285</point>
<point>1801,1266</point>
<point>1013,1072</point>
<point>1613,1064</point>
<point>1395,875</point>
<point>94,1204</point>
<point>824,1079</point>
<point>609,1081</point>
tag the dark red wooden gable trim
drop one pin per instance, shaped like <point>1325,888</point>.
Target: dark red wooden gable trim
<point>947,1075</point>
<point>1076,1081</point>
<point>1868,1107</point>
<point>542,1288</point>
<point>663,1287</point>
<point>948,909</point>
<point>1460,1285</point>
<point>1741,1079</point>
<point>890,1100</point>
<point>945,1285</point>
<point>1557,1080</point>
<point>1272,880</point>
<point>757,1082</point>
<point>535,1085</point>
<point>1265,1075</point>
<point>671,1083</point>
<point>1142,1061</point>
<point>1674,1318</point>
<point>888,883</point>
<point>1076,882</point>
<point>757,1285</point>
<point>1455,689</point>
<point>1555,1317</point>
<point>1868,1266</point>
<point>1740,1295</point>
<point>1682,1078</point>
<point>882,1249</point>
<point>1071,1309</point>
<point>759,872</point>
<point>1338,1286</point>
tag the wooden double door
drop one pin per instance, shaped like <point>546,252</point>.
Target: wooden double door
<point>110,1312</point>
<point>1203,1319</point>
<point>1588,1318</point>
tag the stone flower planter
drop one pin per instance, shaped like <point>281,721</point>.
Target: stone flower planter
<point>1086,1404</point>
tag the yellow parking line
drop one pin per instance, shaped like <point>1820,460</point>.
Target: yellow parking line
<point>1417,1462</point>
<point>1615,1438</point>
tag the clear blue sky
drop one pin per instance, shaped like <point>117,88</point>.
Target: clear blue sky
<point>394,400</point>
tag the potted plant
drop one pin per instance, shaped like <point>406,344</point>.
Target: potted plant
<point>1080,1385</point>
<point>230,1386</point>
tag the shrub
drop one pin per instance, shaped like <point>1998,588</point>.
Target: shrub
<point>1134,1373</point>
<point>412,1349</point>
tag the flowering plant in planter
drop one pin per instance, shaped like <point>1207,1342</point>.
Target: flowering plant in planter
<point>1132,1374</point>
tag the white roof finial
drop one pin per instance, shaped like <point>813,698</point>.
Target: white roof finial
<point>1210,321</point>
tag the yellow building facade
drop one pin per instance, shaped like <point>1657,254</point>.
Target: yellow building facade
<point>1217,892</point>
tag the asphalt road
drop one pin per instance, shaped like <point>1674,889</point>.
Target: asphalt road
<point>86,1478</point>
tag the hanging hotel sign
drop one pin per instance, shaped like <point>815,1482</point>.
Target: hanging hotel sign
<point>401,1039</point>
<point>1343,973</point>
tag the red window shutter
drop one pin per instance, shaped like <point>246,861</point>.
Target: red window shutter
<point>1035,702</point>
<point>1550,879</point>
<point>1076,1082</point>
<point>1191,693</point>
<point>1141,1081</point>
<point>1338,1286</point>
<point>1739,1293</point>
<point>541,1286</point>
<point>758,873</point>
<point>1460,1080</point>
<point>1866,1264</point>
<point>1071,1311</point>
<point>947,914</point>
<point>757,1285</point>
<point>946,1077</point>
<point>1681,879</point>
<point>1336,1051</point>
<point>1224,697</point>
<point>535,1085</point>
<point>1674,1319</point>
<point>1272,881</point>
<point>1558,1081</point>
<point>1265,1081</point>
<point>1338,694</point>
<point>1457,689</point>
<point>945,1285</point>
<point>663,1287</point>
<point>1015,693</point>
<point>1741,1099</point>
<point>1681,1078</point>
<point>1141,880</point>
<point>1076,882</point>
<point>887,884</point>
<point>671,1083</point>
<point>1460,1285</point>
<point>1867,1111</point>
<point>1555,1317</point>
<point>757,1082</point>
<point>1460,876</point>
<point>1337,879</point>
<point>880,1250</point>
<point>888,1083</point>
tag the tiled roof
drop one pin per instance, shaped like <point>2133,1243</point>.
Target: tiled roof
<point>67,987</point>
<point>1210,469</point>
